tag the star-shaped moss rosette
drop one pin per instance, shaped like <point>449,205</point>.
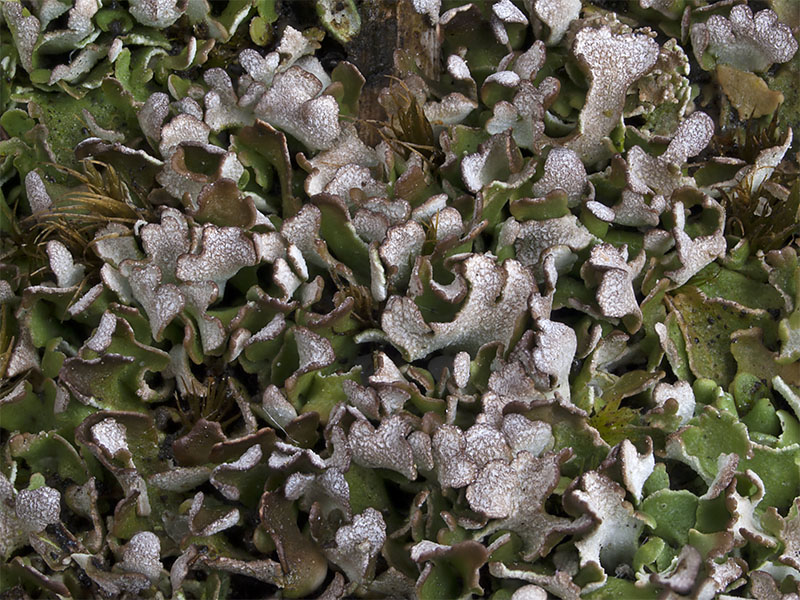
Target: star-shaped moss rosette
<point>515,314</point>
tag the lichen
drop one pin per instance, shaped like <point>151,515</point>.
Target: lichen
<point>486,299</point>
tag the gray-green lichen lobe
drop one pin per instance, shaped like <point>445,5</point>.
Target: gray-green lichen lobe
<point>521,319</point>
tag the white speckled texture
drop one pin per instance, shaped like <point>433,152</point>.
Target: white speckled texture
<point>111,436</point>
<point>38,508</point>
<point>142,555</point>
<point>557,15</point>
<point>614,62</point>
<point>745,41</point>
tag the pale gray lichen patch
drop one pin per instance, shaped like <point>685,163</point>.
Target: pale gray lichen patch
<point>653,179</point>
<point>504,12</point>
<point>634,467</point>
<point>563,170</point>
<point>182,129</point>
<point>112,437</point>
<point>430,8</point>
<point>278,409</point>
<point>205,522</point>
<point>313,351</point>
<point>23,358</point>
<point>295,45</point>
<point>115,243</point>
<point>286,457</point>
<point>492,492</point>
<point>559,583</point>
<point>745,523</point>
<point>452,109</point>
<point>164,243</point>
<point>461,369</point>
<point>156,13</point>
<point>453,467</point>
<point>358,545</point>
<point>494,307</point>
<point>101,339</point>
<point>402,244</point>
<point>555,349</point>
<point>747,42</point>
<point>142,554</point>
<point>458,68</point>
<point>222,106</point>
<point>261,69</point>
<point>485,444</point>
<point>557,15</point>
<point>224,250</point>
<point>696,253</point>
<point>80,65</point>
<point>515,494</point>
<point>6,293</point>
<point>152,114</point>
<point>224,476</point>
<point>608,268</point>
<point>77,32</point>
<point>349,150</point>
<point>67,273</point>
<point>528,63</point>
<point>755,175</point>
<point>614,61</point>
<point>38,198</point>
<point>682,574</point>
<point>198,297</point>
<point>25,31</point>
<point>293,103</point>
<point>529,592</point>
<point>13,532</point>
<point>566,235</point>
<point>681,392</point>
<point>302,230</point>
<point>665,7</point>
<point>329,490</point>
<point>285,278</point>
<point>524,115</point>
<point>162,303</point>
<point>353,177</point>
<point>386,447</point>
<point>36,509</point>
<point>180,479</point>
<point>691,138</point>
<point>422,448</point>
<point>614,539</point>
<point>790,536</point>
<point>524,435</point>
<point>494,160</point>
<point>365,399</point>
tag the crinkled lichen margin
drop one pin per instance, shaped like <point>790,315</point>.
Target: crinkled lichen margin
<point>518,317</point>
